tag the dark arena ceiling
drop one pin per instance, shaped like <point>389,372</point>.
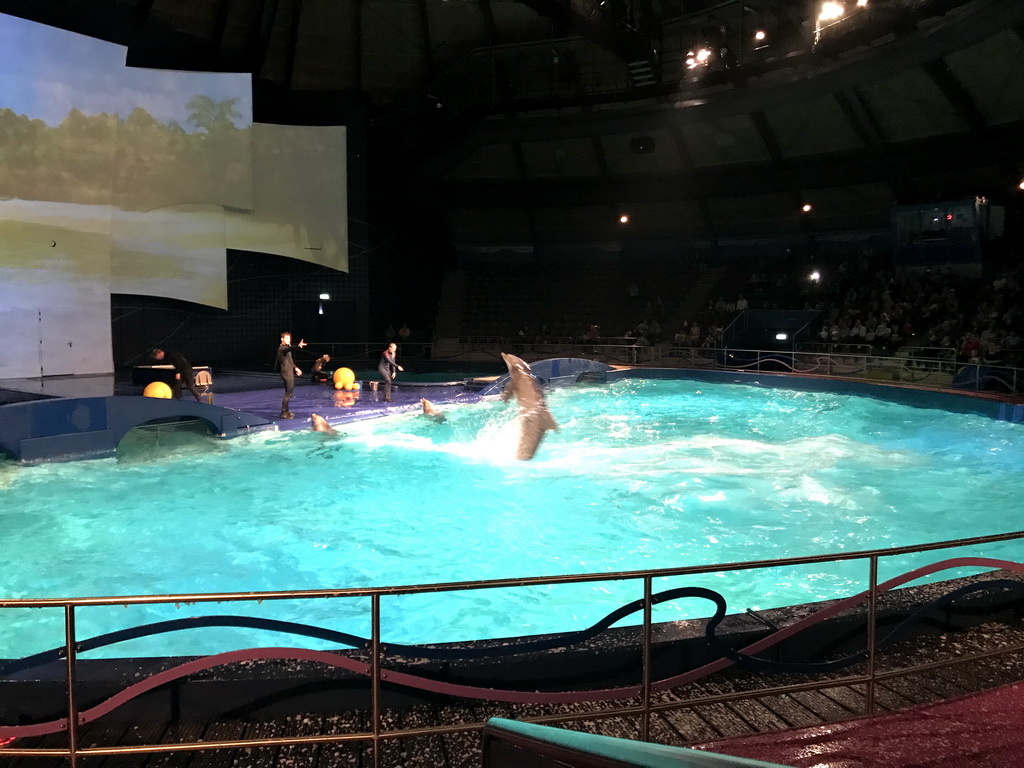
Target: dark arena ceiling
<point>538,120</point>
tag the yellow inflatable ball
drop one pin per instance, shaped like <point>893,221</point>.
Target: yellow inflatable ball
<point>356,385</point>
<point>338,385</point>
<point>158,389</point>
<point>344,376</point>
<point>346,385</point>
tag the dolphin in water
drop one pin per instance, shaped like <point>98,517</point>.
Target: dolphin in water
<point>431,412</point>
<point>320,425</point>
<point>534,417</point>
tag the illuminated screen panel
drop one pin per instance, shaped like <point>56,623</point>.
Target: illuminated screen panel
<point>183,155</point>
<point>136,181</point>
<point>57,136</point>
<point>300,204</point>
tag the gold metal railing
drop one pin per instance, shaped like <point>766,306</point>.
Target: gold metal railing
<point>376,734</point>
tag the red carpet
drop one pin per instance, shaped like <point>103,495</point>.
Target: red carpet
<point>981,730</point>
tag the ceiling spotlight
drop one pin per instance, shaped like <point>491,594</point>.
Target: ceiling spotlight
<point>624,219</point>
<point>1021,185</point>
<point>760,35</point>
<point>806,208</point>
<point>781,337</point>
<point>325,297</point>
<point>830,11</point>
<point>815,276</point>
<point>862,3</point>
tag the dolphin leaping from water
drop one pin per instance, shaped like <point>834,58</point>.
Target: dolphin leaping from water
<point>534,417</point>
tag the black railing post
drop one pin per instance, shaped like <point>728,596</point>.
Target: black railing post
<point>645,718</point>
<point>69,649</point>
<point>869,700</point>
<point>375,677</point>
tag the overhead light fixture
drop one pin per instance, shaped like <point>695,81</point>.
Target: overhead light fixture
<point>760,35</point>
<point>1021,185</point>
<point>815,276</point>
<point>624,218</point>
<point>806,208</point>
<point>325,297</point>
<point>830,11</point>
<point>781,337</point>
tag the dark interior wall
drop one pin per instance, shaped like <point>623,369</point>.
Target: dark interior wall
<point>266,295</point>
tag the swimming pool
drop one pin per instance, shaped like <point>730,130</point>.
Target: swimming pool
<point>642,474</point>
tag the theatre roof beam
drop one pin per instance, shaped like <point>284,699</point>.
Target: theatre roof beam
<point>953,90</point>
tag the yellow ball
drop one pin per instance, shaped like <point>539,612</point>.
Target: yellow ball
<point>158,389</point>
<point>338,385</point>
<point>346,385</point>
<point>356,385</point>
<point>344,376</point>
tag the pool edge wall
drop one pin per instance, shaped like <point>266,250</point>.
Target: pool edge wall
<point>957,402</point>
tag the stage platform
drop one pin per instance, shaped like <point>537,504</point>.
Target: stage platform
<point>75,417</point>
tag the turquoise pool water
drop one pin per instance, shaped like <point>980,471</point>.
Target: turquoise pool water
<point>642,474</point>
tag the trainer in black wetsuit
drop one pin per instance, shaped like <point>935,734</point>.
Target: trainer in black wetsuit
<point>318,374</point>
<point>182,367</point>
<point>286,364</point>
<point>387,367</point>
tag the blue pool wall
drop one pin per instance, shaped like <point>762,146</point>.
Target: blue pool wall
<point>91,427</point>
<point>918,398</point>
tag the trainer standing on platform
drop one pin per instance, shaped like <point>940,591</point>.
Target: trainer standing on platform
<point>182,371</point>
<point>289,371</point>
<point>387,368</point>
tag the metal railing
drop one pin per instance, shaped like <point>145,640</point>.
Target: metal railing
<point>644,708</point>
<point>848,361</point>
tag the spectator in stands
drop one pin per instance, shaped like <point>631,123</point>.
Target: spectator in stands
<point>404,333</point>
<point>741,303</point>
<point>970,349</point>
<point>390,334</point>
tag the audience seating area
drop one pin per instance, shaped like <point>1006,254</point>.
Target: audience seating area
<point>864,303</point>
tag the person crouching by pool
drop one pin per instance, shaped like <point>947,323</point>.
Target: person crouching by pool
<point>387,368</point>
<point>182,371</point>
<point>289,371</point>
<point>319,375</point>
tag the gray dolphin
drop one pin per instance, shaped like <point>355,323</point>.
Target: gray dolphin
<point>534,417</point>
<point>320,424</point>
<point>431,412</point>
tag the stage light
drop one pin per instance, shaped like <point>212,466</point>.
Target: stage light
<point>624,219</point>
<point>862,3</point>
<point>760,35</point>
<point>320,309</point>
<point>699,58</point>
<point>806,208</point>
<point>949,217</point>
<point>325,297</point>
<point>781,337</point>
<point>815,276</point>
<point>830,11</point>
<point>1021,185</point>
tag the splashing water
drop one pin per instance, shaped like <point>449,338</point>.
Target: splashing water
<point>641,474</point>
